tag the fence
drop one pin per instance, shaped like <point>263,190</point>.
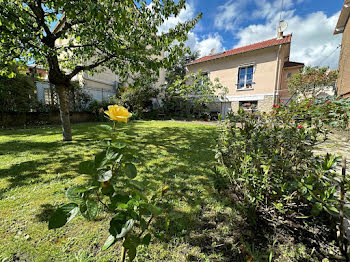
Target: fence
<point>14,119</point>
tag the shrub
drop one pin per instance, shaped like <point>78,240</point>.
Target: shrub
<point>268,158</point>
<point>17,94</point>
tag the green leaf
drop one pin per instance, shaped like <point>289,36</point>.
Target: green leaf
<point>130,170</point>
<point>105,128</point>
<point>132,253</point>
<point>146,239</point>
<point>316,209</point>
<point>63,215</point>
<point>152,209</point>
<point>89,209</point>
<point>109,241</point>
<point>104,175</point>
<point>120,225</point>
<point>87,167</point>
<point>75,193</point>
<point>99,158</point>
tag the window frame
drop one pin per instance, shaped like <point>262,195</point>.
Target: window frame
<point>246,66</point>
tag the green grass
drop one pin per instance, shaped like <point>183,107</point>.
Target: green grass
<point>36,168</point>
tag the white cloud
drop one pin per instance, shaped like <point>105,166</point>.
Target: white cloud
<point>186,14</point>
<point>206,44</point>
<point>313,41</point>
<point>201,44</point>
<point>230,14</point>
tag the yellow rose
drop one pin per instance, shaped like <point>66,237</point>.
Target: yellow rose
<point>118,113</point>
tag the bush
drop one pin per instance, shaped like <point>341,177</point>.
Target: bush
<point>269,161</point>
<point>17,94</point>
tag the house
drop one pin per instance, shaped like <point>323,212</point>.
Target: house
<point>100,85</point>
<point>343,27</point>
<point>255,75</point>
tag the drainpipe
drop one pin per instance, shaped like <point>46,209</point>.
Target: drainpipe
<point>277,74</point>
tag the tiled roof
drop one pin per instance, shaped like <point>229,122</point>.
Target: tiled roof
<point>292,64</point>
<point>268,43</point>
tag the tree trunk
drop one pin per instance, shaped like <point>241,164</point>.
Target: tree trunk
<point>64,112</point>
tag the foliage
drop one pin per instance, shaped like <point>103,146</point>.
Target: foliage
<point>311,81</point>
<point>178,68</point>
<point>193,93</point>
<point>17,94</point>
<point>113,188</point>
<point>123,36</point>
<point>269,158</point>
<point>137,96</point>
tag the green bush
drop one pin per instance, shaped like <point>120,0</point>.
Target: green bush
<point>269,161</point>
<point>17,94</point>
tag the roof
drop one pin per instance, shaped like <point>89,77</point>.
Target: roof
<point>292,64</point>
<point>343,18</point>
<point>264,44</point>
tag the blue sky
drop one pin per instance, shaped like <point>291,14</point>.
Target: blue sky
<point>231,23</point>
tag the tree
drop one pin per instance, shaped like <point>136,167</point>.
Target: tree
<point>311,81</point>
<point>98,34</point>
<point>178,69</point>
<point>17,94</point>
<point>195,90</point>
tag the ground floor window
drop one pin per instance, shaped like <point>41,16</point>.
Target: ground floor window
<point>249,105</point>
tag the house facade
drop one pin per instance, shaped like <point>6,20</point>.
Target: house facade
<point>255,75</point>
<point>343,27</point>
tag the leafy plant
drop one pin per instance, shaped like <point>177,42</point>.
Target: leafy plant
<point>268,158</point>
<point>114,189</point>
<point>311,81</point>
<point>193,93</point>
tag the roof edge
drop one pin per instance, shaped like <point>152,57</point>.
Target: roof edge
<point>214,58</point>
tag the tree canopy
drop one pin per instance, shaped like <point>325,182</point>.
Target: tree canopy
<point>92,35</point>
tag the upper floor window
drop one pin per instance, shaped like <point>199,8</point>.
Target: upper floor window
<point>245,77</point>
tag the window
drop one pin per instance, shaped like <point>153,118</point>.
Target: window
<point>47,96</point>
<point>245,78</point>
<point>249,105</point>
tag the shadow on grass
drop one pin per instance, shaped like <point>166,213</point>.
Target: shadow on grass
<point>181,157</point>
<point>46,211</point>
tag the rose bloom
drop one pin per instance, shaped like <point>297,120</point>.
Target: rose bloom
<point>327,102</point>
<point>274,105</point>
<point>300,127</point>
<point>278,106</point>
<point>118,113</point>
<point>308,106</point>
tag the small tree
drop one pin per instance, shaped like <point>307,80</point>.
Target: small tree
<point>178,69</point>
<point>120,35</point>
<point>137,96</point>
<point>196,90</point>
<point>311,81</point>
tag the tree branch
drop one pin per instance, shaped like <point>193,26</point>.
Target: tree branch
<point>40,16</point>
<point>89,67</point>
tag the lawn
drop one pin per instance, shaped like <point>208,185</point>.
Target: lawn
<point>36,168</point>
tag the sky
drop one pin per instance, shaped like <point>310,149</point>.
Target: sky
<point>228,24</point>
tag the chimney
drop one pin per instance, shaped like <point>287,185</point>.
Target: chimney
<point>279,35</point>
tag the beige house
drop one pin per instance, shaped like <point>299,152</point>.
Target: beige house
<point>255,75</point>
<point>99,85</point>
<point>343,27</point>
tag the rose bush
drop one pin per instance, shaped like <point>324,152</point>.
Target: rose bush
<point>269,161</point>
<point>113,189</point>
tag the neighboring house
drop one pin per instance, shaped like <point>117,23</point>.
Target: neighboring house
<point>44,90</point>
<point>343,27</point>
<point>99,85</point>
<point>255,75</point>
